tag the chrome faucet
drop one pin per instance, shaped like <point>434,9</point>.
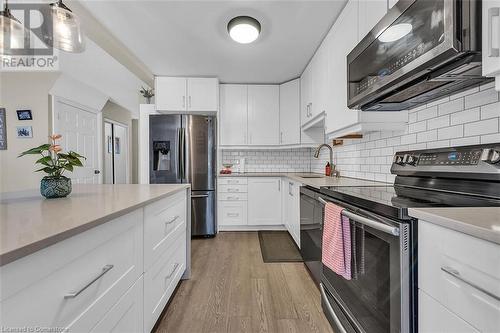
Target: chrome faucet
<point>334,173</point>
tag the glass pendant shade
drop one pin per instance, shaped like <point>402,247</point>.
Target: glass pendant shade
<point>66,32</point>
<point>11,33</point>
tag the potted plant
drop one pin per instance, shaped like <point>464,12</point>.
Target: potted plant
<point>147,93</point>
<point>55,163</point>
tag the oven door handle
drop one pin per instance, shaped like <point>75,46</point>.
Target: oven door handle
<point>330,310</point>
<point>366,221</point>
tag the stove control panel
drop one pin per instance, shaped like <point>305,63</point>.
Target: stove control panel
<point>466,157</point>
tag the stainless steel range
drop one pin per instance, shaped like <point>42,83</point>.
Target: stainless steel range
<point>382,295</point>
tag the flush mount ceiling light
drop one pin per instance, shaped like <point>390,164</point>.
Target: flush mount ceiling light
<point>243,29</point>
<point>11,32</point>
<point>66,31</point>
<point>395,32</point>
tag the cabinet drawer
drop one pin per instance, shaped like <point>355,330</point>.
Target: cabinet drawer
<point>233,189</point>
<point>232,213</point>
<point>161,220</point>
<point>233,181</point>
<point>66,285</point>
<point>435,318</point>
<point>161,280</point>
<point>232,196</point>
<point>462,273</point>
<point>126,315</point>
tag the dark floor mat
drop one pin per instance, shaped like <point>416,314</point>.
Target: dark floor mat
<point>278,246</point>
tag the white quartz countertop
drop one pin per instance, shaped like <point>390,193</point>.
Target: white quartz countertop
<point>480,222</point>
<point>305,179</point>
<point>29,223</point>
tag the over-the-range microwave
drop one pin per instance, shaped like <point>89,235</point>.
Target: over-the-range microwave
<point>420,51</point>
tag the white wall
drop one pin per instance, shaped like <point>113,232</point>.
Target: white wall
<point>467,118</point>
<point>24,90</point>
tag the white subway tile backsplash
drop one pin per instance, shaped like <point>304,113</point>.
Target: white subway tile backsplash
<point>443,123</point>
<point>451,132</point>
<point>481,98</point>
<point>487,126</point>
<point>466,116</point>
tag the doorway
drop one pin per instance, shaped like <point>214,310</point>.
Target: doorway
<point>115,152</point>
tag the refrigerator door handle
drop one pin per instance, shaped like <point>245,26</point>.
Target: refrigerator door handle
<point>182,159</point>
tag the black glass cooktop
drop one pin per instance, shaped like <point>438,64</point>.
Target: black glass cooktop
<point>394,200</point>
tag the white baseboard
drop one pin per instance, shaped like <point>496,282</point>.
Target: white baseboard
<point>250,227</point>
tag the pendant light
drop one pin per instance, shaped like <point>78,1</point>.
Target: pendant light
<point>11,32</point>
<point>243,29</point>
<point>66,32</point>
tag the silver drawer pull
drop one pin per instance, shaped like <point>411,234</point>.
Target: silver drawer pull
<point>233,181</point>
<point>233,214</point>
<point>456,274</point>
<point>172,220</point>
<point>233,190</point>
<point>105,269</point>
<point>233,198</point>
<point>172,272</point>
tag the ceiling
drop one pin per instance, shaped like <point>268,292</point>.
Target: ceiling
<point>189,38</point>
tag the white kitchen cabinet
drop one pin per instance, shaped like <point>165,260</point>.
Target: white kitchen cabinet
<point>263,115</point>
<point>126,316</point>
<point>264,201</point>
<point>233,114</point>
<point>320,88</point>
<point>370,13</point>
<point>306,94</point>
<point>290,113</point>
<point>340,119</point>
<point>291,208</point>
<point>202,94</point>
<point>491,39</point>
<point>462,274</point>
<point>434,318</point>
<point>180,94</point>
<point>170,93</point>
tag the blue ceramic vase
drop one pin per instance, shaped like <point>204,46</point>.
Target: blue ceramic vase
<point>55,187</point>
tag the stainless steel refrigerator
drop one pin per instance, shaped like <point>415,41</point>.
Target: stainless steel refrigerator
<point>183,150</point>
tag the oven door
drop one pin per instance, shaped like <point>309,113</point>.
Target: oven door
<point>377,298</point>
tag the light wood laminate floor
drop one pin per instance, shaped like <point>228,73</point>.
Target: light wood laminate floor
<point>232,290</point>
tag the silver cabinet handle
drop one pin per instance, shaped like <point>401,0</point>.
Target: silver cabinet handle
<point>456,274</point>
<point>172,220</point>
<point>233,214</point>
<point>190,102</point>
<point>73,294</point>
<point>172,272</point>
<point>366,221</point>
<point>233,181</point>
<point>233,190</point>
<point>493,52</point>
<point>279,185</point>
<point>233,198</point>
<point>199,196</point>
<point>183,101</point>
<point>330,309</point>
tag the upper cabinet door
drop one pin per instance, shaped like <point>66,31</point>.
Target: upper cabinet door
<point>370,13</point>
<point>345,37</point>
<point>233,114</point>
<point>202,94</point>
<point>320,80</point>
<point>306,94</point>
<point>171,93</point>
<point>263,114</point>
<point>491,38</point>
<point>290,113</point>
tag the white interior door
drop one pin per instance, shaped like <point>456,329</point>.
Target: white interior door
<point>80,132</point>
<point>120,154</point>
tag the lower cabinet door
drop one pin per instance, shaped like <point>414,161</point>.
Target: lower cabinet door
<point>435,318</point>
<point>161,279</point>
<point>264,201</point>
<point>126,315</point>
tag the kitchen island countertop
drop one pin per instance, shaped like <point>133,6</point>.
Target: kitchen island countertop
<point>480,222</point>
<point>29,223</point>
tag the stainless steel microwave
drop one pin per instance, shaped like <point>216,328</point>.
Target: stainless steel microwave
<point>420,51</point>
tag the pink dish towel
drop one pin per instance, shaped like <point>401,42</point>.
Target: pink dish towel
<point>336,249</point>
